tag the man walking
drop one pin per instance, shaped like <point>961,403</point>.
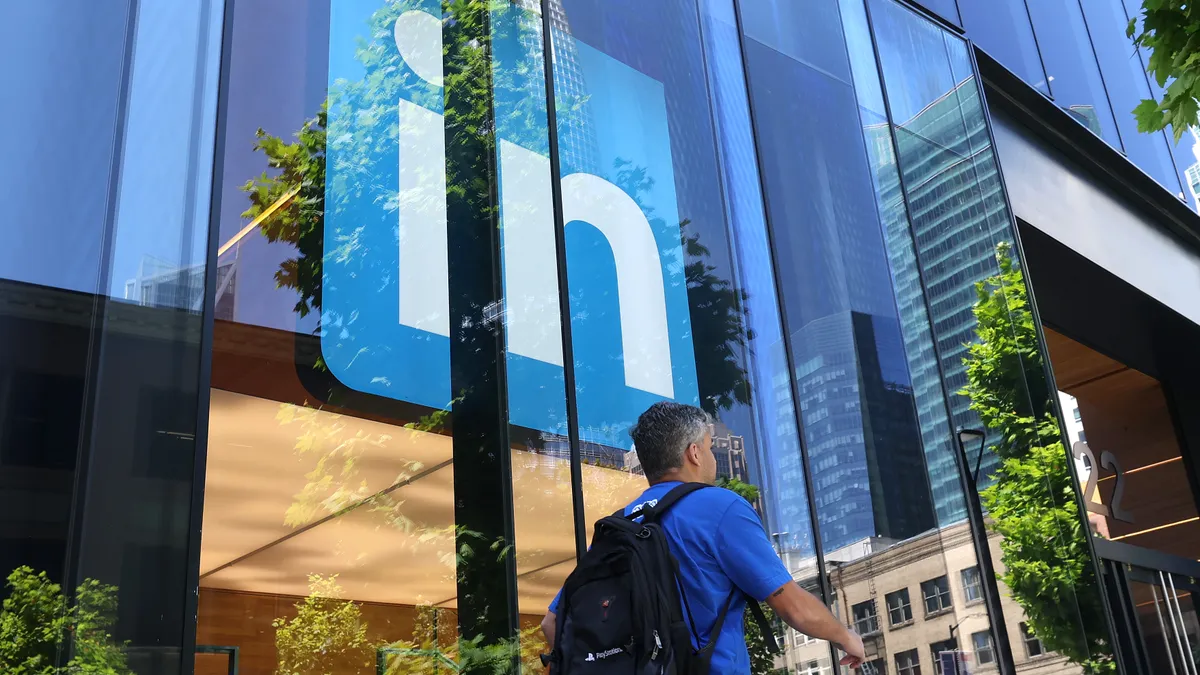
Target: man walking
<point>719,543</point>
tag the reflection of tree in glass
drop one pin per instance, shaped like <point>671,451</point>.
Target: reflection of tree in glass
<point>327,635</point>
<point>1048,568</point>
<point>36,620</point>
<point>430,652</point>
<point>718,309</point>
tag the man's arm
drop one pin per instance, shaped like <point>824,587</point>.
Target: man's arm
<point>548,625</point>
<point>804,612</point>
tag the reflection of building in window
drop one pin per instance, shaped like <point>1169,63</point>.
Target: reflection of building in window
<point>730,452</point>
<point>908,663</point>
<point>594,454</point>
<point>972,585</point>
<point>937,595</point>
<point>1193,171</point>
<point>810,668</point>
<point>1086,115</point>
<point>576,131</point>
<point>982,642</point>
<point>942,146</point>
<point>860,430</point>
<point>163,284</point>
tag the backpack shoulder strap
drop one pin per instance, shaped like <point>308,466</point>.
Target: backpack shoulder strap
<point>668,500</point>
<point>764,626</point>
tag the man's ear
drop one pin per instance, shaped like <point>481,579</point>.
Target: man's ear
<point>691,454</point>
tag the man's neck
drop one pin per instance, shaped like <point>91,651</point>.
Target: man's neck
<point>676,477</point>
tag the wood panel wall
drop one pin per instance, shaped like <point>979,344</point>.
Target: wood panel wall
<point>244,620</point>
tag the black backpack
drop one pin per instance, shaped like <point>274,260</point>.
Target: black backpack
<point>620,610</point>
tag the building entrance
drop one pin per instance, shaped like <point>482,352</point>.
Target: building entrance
<point>1154,602</point>
<point>1128,391</point>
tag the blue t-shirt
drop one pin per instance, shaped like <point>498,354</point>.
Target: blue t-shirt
<point>720,543</point>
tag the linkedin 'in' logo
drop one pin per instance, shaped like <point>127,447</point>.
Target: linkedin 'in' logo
<point>385,314</point>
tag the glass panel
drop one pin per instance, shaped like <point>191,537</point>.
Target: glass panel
<point>919,345</point>
<point>640,124</point>
<point>1071,68</point>
<point>872,409</point>
<point>541,471</point>
<point>947,9</point>
<point>987,342</point>
<point>357,513</point>
<point>98,399</point>
<point>74,62</point>
<point>71,82</point>
<point>1127,85</point>
<point>1003,29</point>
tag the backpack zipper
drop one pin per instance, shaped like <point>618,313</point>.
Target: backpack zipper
<point>657,646</point>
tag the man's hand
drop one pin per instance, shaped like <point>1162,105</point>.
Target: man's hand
<point>852,644</point>
<point>801,610</point>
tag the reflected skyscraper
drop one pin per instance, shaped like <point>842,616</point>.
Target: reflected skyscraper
<point>956,202</point>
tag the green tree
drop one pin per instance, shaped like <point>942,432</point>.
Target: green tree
<point>327,635</point>
<point>1170,30</point>
<point>37,621</point>
<point>1032,505</point>
<point>761,659</point>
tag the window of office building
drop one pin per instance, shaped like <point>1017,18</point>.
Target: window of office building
<point>899,609</point>
<point>106,187</point>
<point>982,642</point>
<point>870,402</point>
<point>810,668</point>
<point>875,667</point>
<point>937,595</point>
<point>908,663</point>
<point>866,621</point>
<point>353,338</point>
<point>1033,646</point>
<point>1127,85</point>
<point>964,236</point>
<point>1071,67</point>
<point>943,652</point>
<point>972,585</point>
<point>1003,29</point>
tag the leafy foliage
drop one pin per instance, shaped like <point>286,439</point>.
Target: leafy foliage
<point>1170,30</point>
<point>1048,568</point>
<point>37,621</point>
<point>327,635</point>
<point>761,660</point>
<point>435,648</point>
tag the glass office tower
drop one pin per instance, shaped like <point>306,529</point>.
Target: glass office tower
<point>326,321</point>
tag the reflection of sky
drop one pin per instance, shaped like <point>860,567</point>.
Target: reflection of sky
<point>832,260</point>
<point>912,42</point>
<point>276,83</point>
<point>163,203</point>
<point>58,159</point>
<point>745,207</point>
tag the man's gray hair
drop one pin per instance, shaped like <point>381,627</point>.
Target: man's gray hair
<point>663,432</point>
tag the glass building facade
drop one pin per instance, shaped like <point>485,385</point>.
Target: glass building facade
<point>326,320</point>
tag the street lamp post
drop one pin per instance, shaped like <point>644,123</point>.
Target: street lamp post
<point>991,592</point>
